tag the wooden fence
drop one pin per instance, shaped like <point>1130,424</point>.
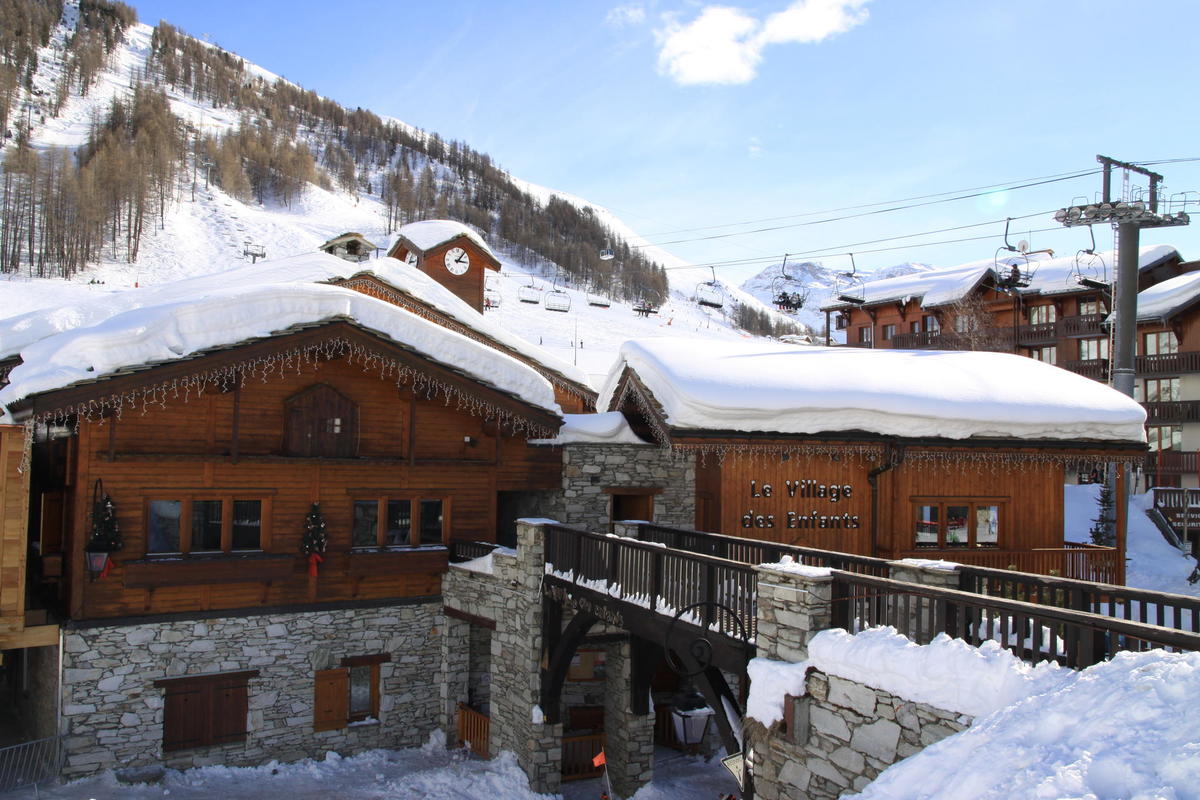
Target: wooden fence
<point>577,755</point>
<point>474,730</point>
<point>1077,561</point>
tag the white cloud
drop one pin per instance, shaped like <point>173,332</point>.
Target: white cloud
<point>724,44</point>
<point>754,147</point>
<point>627,15</point>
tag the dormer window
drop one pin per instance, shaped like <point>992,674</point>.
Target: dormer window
<point>320,421</point>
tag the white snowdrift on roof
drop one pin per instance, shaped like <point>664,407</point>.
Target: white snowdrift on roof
<point>947,673</point>
<point>609,427</point>
<point>1048,276</point>
<point>18,332</point>
<point>767,387</point>
<point>1164,299</point>
<point>1122,729</point>
<point>428,234</point>
<point>175,329</point>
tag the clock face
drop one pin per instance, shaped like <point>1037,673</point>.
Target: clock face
<point>411,259</point>
<point>457,261</point>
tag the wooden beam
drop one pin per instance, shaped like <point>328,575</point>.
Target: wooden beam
<point>478,621</point>
<point>37,636</point>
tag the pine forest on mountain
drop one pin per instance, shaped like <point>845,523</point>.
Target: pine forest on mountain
<point>62,210</point>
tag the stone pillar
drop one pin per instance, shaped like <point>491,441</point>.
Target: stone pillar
<point>517,720</point>
<point>942,574</point>
<point>455,671</point>
<point>630,749</point>
<point>793,606</point>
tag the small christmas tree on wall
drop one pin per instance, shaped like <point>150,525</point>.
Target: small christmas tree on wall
<point>314,541</point>
<point>106,534</point>
<point>1104,529</point>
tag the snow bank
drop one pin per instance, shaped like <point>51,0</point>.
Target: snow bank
<point>946,673</point>
<point>18,332</point>
<point>177,329</point>
<point>609,427</point>
<point>429,234</point>
<point>1121,729</point>
<point>770,680</point>
<point>755,387</point>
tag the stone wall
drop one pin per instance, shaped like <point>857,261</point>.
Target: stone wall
<point>851,734</point>
<point>630,747</point>
<point>113,714</point>
<point>589,469</point>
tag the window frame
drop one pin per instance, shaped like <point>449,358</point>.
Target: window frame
<point>201,715</point>
<point>415,498</point>
<point>972,503</point>
<point>1172,343</point>
<point>1040,353</point>
<point>1101,345</point>
<point>888,332</point>
<point>335,713</point>
<point>1042,314</point>
<point>186,532</point>
<point>866,334</point>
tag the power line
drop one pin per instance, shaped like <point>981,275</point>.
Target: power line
<point>855,216</point>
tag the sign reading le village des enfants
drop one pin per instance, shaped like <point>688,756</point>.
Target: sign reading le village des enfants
<point>816,508</point>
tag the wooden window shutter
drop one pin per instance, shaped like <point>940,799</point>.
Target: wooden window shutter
<point>229,707</point>
<point>186,711</point>
<point>331,699</point>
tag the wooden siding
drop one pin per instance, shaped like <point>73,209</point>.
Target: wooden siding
<point>231,445</point>
<point>14,517</point>
<point>468,287</point>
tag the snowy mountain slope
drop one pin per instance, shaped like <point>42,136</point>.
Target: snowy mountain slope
<point>206,230</point>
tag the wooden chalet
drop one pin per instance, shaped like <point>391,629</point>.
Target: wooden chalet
<point>451,253</point>
<point>956,456</point>
<point>350,246</point>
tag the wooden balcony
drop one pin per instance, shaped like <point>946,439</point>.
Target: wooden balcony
<point>921,340</point>
<point>1041,333</point>
<point>1094,368</point>
<point>1081,326</point>
<point>1173,411</point>
<point>1171,462</point>
<point>1168,364</point>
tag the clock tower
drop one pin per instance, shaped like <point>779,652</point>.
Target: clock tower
<point>449,252</point>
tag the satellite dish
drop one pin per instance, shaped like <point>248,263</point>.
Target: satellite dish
<point>1022,246</point>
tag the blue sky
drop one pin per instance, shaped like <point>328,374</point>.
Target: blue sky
<point>682,115</point>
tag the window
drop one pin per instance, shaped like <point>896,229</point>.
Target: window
<point>320,421</point>
<point>1091,349</point>
<point>1047,354</point>
<point>204,710</point>
<point>914,326</point>
<point>1160,343</point>
<point>864,334</point>
<point>889,332</point>
<point>1164,437</point>
<point>205,523</point>
<point>1042,315</point>
<point>954,523</point>
<point>349,693</point>
<point>398,521</point>
<point>1157,390</point>
<point>1087,307</point>
<point>930,323</point>
<point>965,323</point>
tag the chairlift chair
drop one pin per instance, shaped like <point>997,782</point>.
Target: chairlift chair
<point>557,300</point>
<point>491,298</point>
<point>850,288</point>
<point>606,253</point>
<point>1015,272</point>
<point>1090,270</point>
<point>709,293</point>
<point>598,300</point>
<point>788,302</point>
<point>530,293</point>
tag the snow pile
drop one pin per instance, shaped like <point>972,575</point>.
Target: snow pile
<point>1120,729</point>
<point>770,680</point>
<point>177,329</point>
<point>930,563</point>
<point>1164,299</point>
<point>428,234</point>
<point>946,673</point>
<point>789,564</point>
<point>805,390</point>
<point>485,564</point>
<point>609,427</point>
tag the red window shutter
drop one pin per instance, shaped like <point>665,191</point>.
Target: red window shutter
<point>186,711</point>
<point>331,699</point>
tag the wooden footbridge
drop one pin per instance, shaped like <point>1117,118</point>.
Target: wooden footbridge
<point>694,597</point>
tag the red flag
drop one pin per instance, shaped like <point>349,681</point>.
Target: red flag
<point>599,760</point>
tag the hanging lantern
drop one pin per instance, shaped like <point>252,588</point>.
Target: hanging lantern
<point>691,716</point>
<point>105,537</point>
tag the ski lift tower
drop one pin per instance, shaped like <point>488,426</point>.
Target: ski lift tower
<point>253,251</point>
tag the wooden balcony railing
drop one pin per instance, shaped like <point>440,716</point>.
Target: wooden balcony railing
<point>1082,325</point>
<point>1171,462</point>
<point>1094,368</point>
<point>1173,411</point>
<point>1041,333</point>
<point>1077,562</point>
<point>1169,364</point>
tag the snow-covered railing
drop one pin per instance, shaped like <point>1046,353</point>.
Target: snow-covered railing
<point>754,551</point>
<point>1162,609</point>
<point>658,578</point>
<point>1077,561</point>
<point>463,550</point>
<point>1030,631</point>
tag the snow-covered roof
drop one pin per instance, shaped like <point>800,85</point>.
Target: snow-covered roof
<point>766,387</point>
<point>17,333</point>
<point>430,233</point>
<point>347,237</point>
<point>609,427</point>
<point>1162,301</point>
<point>1049,276</point>
<point>178,328</point>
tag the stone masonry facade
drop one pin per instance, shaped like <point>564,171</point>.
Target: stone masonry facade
<point>112,714</point>
<point>589,469</point>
